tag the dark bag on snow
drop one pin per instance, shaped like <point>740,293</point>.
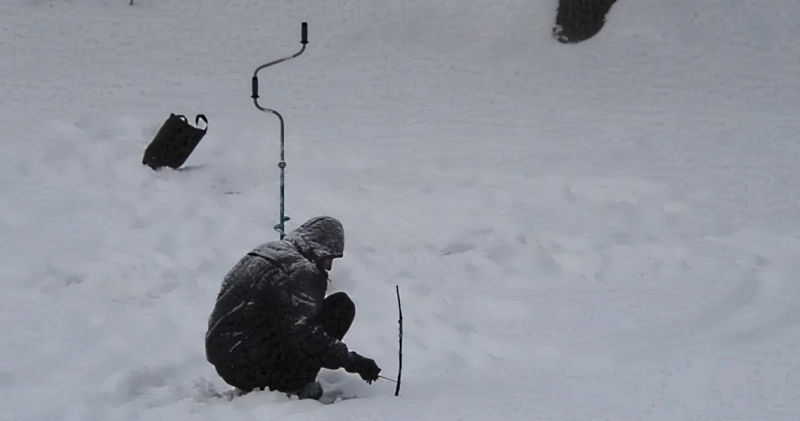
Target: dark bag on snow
<point>580,20</point>
<point>174,142</point>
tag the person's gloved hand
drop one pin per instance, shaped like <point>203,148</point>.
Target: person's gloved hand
<point>369,370</point>
<point>364,367</point>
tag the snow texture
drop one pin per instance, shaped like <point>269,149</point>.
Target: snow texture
<point>600,231</point>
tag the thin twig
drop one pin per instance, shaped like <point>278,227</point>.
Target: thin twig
<point>386,378</point>
<point>400,352</point>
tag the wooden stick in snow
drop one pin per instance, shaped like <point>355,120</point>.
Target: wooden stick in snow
<point>400,352</point>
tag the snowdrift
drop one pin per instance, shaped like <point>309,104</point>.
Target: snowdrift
<point>606,230</point>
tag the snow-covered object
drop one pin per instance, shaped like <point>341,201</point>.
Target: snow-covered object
<point>267,316</point>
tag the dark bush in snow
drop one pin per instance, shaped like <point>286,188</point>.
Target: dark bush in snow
<point>579,20</point>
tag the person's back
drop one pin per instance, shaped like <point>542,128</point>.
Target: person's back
<point>272,325</point>
<point>245,314</point>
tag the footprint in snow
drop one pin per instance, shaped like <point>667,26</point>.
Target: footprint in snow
<point>457,248</point>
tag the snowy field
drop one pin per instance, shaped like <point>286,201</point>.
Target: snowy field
<point>602,231</point>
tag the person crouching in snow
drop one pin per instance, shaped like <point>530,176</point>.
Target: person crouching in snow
<point>272,326</point>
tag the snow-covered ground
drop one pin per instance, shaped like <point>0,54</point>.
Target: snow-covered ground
<point>603,231</point>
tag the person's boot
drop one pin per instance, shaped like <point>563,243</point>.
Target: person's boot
<point>312,390</point>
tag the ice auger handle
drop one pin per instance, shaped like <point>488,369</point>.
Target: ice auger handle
<point>282,163</point>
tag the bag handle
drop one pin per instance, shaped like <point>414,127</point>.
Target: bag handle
<point>201,117</point>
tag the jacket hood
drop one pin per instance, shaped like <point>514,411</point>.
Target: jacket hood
<point>318,238</point>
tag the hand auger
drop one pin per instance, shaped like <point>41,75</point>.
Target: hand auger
<point>280,227</point>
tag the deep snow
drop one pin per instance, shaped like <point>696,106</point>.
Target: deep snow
<point>599,231</point>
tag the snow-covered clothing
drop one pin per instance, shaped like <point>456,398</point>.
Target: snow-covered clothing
<point>272,326</point>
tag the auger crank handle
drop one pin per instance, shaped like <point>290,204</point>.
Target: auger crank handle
<point>303,40</point>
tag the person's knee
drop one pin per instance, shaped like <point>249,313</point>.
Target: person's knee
<point>339,306</point>
<point>341,300</point>
<point>339,311</point>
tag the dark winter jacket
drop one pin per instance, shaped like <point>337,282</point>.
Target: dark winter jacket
<point>271,301</point>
